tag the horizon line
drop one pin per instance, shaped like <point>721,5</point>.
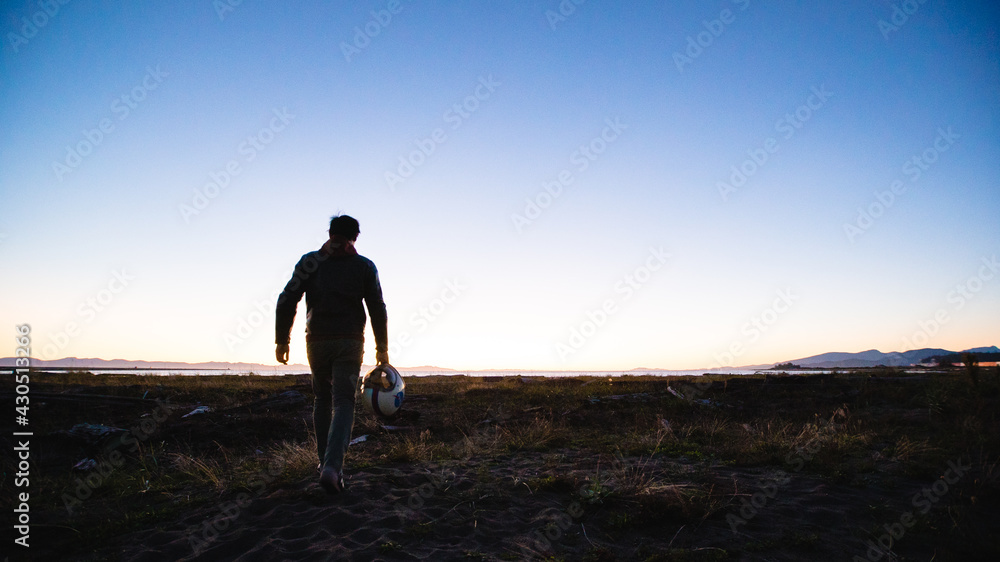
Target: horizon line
<point>757,366</point>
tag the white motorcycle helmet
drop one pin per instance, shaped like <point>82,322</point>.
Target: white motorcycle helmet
<point>383,391</point>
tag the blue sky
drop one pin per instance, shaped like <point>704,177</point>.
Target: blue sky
<point>123,242</point>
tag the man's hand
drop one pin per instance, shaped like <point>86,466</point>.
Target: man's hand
<point>281,353</point>
<point>382,357</point>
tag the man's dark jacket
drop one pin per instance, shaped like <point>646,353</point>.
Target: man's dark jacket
<point>334,286</point>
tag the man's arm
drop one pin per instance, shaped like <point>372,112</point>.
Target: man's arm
<point>284,315</point>
<point>377,312</point>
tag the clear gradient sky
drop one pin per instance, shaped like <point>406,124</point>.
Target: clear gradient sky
<point>163,165</point>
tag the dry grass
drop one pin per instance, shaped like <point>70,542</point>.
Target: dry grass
<point>414,448</point>
<point>202,471</point>
<point>297,456</point>
<point>479,442</point>
<point>907,449</point>
<point>226,472</point>
<point>534,435</point>
<point>639,477</point>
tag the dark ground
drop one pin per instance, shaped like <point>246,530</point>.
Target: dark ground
<point>801,467</point>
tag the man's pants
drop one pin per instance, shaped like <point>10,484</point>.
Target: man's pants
<point>335,365</point>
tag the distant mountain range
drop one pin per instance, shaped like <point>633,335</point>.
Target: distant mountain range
<point>834,360</point>
<point>874,358</point>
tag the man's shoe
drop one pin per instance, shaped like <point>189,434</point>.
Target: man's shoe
<point>331,480</point>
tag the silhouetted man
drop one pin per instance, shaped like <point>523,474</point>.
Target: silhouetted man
<point>335,280</point>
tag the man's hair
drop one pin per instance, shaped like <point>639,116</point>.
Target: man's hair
<point>345,226</point>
